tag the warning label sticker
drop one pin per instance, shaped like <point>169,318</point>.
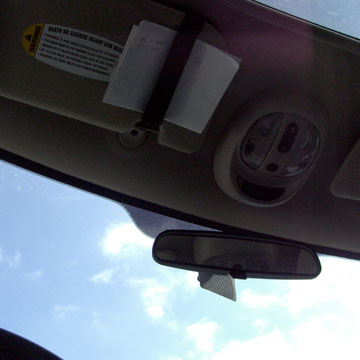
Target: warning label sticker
<point>71,50</point>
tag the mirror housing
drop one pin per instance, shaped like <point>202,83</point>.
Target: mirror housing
<point>240,256</point>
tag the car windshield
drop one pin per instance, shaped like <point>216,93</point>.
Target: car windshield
<point>78,278</point>
<point>341,16</point>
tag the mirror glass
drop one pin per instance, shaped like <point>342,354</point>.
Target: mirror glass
<point>241,257</point>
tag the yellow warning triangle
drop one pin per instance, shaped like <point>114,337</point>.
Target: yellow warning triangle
<point>31,38</point>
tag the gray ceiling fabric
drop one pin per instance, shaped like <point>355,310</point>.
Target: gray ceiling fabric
<point>152,224</point>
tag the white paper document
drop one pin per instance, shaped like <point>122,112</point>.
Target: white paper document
<point>206,76</point>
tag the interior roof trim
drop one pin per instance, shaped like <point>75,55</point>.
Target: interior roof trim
<point>146,205</point>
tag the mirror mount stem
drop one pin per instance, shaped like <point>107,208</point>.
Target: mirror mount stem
<point>236,274</point>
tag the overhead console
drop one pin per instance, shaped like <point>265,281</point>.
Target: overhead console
<point>271,148</point>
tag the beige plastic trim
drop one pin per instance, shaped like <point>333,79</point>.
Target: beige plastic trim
<point>266,103</point>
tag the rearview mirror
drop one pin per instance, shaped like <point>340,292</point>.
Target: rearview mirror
<point>241,257</point>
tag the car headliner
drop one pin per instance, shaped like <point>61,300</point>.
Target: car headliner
<point>43,130</point>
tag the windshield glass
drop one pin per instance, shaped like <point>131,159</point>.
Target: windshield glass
<point>342,16</point>
<point>78,278</point>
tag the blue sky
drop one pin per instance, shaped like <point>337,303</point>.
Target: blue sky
<point>78,278</point>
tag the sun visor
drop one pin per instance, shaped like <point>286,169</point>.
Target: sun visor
<point>346,183</point>
<point>62,61</point>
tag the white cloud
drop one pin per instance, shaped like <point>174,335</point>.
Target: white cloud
<point>10,260</point>
<point>157,295</point>
<point>62,311</point>
<point>253,300</point>
<point>262,347</point>
<point>154,296</point>
<point>329,330</point>
<point>320,337</point>
<point>124,240</point>
<point>336,284</point>
<point>191,280</point>
<point>203,333</point>
<point>330,334</point>
<point>35,275</point>
<point>103,277</point>
<point>260,325</point>
<point>308,341</point>
<point>332,286</point>
<point>181,279</point>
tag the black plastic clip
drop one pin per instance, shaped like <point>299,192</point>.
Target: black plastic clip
<point>170,74</point>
